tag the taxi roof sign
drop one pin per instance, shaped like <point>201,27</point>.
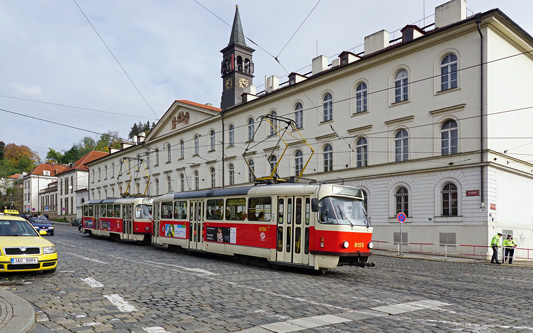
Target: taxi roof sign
<point>11,212</point>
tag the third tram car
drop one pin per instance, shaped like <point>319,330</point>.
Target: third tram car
<point>320,226</point>
<point>128,219</point>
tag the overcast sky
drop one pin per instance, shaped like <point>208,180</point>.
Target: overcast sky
<point>73,61</point>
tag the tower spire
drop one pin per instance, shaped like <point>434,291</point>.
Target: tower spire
<point>237,34</point>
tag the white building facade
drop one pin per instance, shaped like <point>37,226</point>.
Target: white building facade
<point>434,125</point>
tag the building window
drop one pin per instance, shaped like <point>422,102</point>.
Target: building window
<point>299,115</point>
<point>169,184</point>
<point>213,178</point>
<point>157,156</point>
<point>196,180</point>
<point>272,160</point>
<point>182,149</point>
<point>157,187</point>
<point>449,140</point>
<point>231,174</point>
<point>182,182</point>
<point>402,201</point>
<point>361,102</point>
<point>328,158</point>
<point>251,170</point>
<point>105,172</point>
<point>327,107</point>
<point>99,174</point>
<point>449,200</point>
<point>448,72</point>
<point>251,129</point>
<point>362,152</point>
<point>169,153</point>
<point>401,146</point>
<point>298,162</point>
<point>147,154</point>
<point>212,139</point>
<point>113,170</point>
<point>273,123</point>
<point>231,135</point>
<point>196,144</point>
<point>401,86</point>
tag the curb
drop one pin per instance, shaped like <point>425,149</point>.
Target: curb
<point>19,315</point>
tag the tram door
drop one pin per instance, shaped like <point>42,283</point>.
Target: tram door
<point>195,224</point>
<point>127,221</point>
<point>292,240</point>
<point>97,219</point>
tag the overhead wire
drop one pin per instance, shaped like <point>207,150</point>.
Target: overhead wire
<point>116,59</point>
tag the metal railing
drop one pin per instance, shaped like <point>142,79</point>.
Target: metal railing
<point>456,250</point>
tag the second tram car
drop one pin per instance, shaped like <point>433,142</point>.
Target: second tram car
<point>320,226</point>
<point>128,219</point>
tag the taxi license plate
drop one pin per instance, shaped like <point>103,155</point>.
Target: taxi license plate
<point>21,261</point>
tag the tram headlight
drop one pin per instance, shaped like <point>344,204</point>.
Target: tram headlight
<point>370,245</point>
<point>146,228</point>
<point>345,244</point>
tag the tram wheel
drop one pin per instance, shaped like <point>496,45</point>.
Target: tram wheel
<point>245,260</point>
<point>322,271</point>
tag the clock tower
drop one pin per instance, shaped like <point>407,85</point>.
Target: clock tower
<point>237,67</point>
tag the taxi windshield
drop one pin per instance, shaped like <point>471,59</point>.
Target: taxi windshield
<point>341,210</point>
<point>16,228</point>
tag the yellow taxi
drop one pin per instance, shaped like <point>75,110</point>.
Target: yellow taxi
<point>22,249</point>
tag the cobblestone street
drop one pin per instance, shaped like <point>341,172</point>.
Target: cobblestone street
<point>102,286</point>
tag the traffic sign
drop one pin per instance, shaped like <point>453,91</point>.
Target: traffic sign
<point>401,217</point>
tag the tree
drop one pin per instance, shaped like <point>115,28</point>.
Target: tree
<point>2,147</point>
<point>140,127</point>
<point>23,155</point>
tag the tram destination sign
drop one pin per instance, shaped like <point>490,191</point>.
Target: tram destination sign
<point>348,191</point>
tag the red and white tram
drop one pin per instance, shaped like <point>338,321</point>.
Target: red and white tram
<point>128,219</point>
<point>320,226</point>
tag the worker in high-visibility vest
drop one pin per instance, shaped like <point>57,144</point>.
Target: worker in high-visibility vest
<point>495,244</point>
<point>509,245</point>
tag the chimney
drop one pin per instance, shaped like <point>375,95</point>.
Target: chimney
<point>377,41</point>
<point>272,83</point>
<point>451,12</point>
<point>320,64</point>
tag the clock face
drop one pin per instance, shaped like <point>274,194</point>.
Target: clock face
<point>243,82</point>
<point>229,83</point>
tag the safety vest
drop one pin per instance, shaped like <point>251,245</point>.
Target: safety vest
<point>507,243</point>
<point>495,241</point>
<point>513,243</point>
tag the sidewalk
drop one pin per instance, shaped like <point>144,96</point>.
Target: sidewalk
<point>17,315</point>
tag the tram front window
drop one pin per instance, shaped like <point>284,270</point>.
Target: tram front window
<point>143,212</point>
<point>340,210</point>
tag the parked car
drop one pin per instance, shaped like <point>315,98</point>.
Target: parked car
<point>22,249</point>
<point>42,223</point>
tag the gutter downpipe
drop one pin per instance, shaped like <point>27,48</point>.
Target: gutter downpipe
<point>223,146</point>
<point>481,110</point>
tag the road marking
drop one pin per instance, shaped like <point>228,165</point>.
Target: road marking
<point>92,282</point>
<point>120,303</point>
<point>89,259</point>
<point>317,321</point>
<point>155,329</point>
<point>462,326</point>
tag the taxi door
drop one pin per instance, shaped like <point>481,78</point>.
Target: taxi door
<point>196,238</point>
<point>292,240</point>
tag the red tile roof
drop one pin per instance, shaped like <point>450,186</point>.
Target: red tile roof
<point>53,168</point>
<point>89,157</point>
<point>200,105</point>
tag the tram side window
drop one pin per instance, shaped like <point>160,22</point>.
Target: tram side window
<point>280,210</point>
<point>180,210</point>
<point>260,209</point>
<point>116,209</point>
<point>143,212</point>
<point>166,210</point>
<point>91,211</point>
<point>109,210</point>
<point>85,210</point>
<point>103,211</point>
<point>215,208</point>
<point>236,209</point>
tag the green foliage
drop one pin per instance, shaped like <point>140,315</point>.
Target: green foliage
<point>140,127</point>
<point>2,147</point>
